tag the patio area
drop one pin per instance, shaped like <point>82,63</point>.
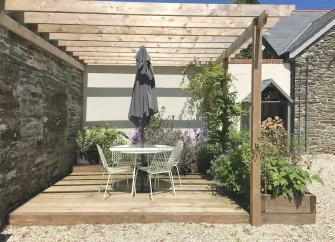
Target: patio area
<point>75,200</point>
<point>54,89</point>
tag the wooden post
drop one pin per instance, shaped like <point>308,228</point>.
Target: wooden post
<point>225,64</point>
<point>225,68</point>
<point>255,172</point>
<point>85,85</point>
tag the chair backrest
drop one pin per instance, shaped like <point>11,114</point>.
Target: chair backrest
<point>176,153</point>
<point>102,158</point>
<point>160,162</point>
<point>119,141</point>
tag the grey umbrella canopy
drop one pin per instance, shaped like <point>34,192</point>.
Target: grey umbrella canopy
<point>144,98</point>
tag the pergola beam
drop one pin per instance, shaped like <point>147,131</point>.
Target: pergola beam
<point>141,38</point>
<point>173,9</point>
<point>133,63</point>
<point>170,31</point>
<point>131,55</point>
<point>71,43</point>
<point>140,21</point>
<point>150,50</point>
<point>31,37</point>
<point>259,22</point>
<point>167,58</point>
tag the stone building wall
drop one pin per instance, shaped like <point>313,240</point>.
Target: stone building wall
<point>320,94</point>
<point>40,115</point>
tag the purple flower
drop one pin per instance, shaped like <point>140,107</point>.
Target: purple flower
<point>195,130</point>
<point>213,156</point>
<point>188,140</point>
<point>136,138</point>
<point>204,132</point>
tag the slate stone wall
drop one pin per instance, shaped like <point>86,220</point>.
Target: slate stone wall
<point>40,115</point>
<point>320,94</point>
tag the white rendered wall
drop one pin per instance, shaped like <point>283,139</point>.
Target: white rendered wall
<point>108,91</point>
<point>280,73</point>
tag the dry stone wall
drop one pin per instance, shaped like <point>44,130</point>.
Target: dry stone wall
<point>320,94</point>
<point>40,115</point>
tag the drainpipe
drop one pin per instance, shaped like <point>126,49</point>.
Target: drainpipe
<point>306,102</point>
<point>291,106</point>
<point>299,108</point>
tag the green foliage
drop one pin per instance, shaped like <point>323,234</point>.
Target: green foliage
<point>245,53</point>
<point>89,137</point>
<point>211,96</point>
<point>287,179</point>
<point>204,155</point>
<point>221,120</point>
<point>231,171</point>
<point>282,171</point>
<point>204,85</point>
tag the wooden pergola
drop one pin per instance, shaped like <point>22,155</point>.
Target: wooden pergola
<point>110,33</point>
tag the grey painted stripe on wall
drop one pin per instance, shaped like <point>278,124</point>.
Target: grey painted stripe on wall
<point>161,70</point>
<point>126,92</point>
<point>125,124</point>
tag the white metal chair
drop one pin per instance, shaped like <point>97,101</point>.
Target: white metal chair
<point>162,163</point>
<point>175,160</point>
<point>110,170</point>
<point>175,157</point>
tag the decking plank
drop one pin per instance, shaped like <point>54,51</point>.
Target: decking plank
<point>75,201</point>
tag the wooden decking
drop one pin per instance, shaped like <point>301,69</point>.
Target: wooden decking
<point>76,200</point>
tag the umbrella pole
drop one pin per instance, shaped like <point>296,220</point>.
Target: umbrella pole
<point>142,174</point>
<point>142,134</point>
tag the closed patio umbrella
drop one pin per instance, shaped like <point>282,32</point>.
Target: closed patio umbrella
<point>144,98</point>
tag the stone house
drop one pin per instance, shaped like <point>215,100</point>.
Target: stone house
<point>306,40</point>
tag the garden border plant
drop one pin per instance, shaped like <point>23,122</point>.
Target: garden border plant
<point>89,137</point>
<point>283,175</point>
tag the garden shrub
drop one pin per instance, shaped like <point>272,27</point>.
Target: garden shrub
<point>231,170</point>
<point>89,137</point>
<point>283,173</point>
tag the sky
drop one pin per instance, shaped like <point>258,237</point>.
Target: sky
<point>300,4</point>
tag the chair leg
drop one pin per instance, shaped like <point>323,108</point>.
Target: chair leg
<point>179,176</point>
<point>109,175</point>
<point>150,187</point>
<point>172,183</point>
<point>155,182</point>
<point>118,181</point>
<point>102,178</point>
<point>133,185</point>
<point>135,181</point>
<point>158,180</point>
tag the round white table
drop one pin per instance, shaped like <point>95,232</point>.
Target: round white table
<point>140,149</point>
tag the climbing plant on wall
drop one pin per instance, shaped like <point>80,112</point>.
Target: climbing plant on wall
<point>212,97</point>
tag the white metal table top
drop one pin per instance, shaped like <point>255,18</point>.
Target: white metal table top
<point>138,149</point>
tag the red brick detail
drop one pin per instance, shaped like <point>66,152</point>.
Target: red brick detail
<point>248,61</point>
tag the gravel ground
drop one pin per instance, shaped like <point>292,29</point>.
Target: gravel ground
<point>323,230</point>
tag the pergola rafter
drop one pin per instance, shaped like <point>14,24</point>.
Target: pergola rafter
<point>122,27</point>
<point>137,8</point>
